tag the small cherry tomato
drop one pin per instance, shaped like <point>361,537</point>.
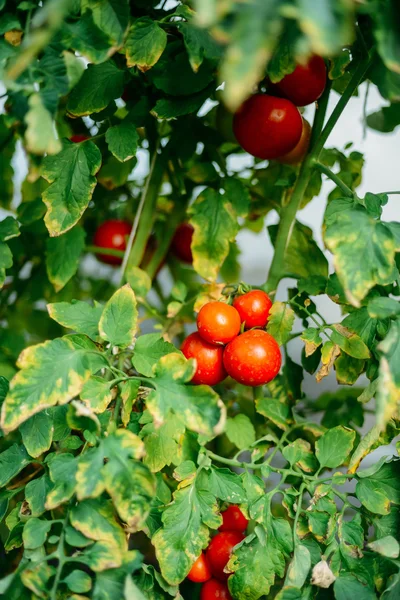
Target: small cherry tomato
<point>112,234</point>
<point>182,241</point>
<point>79,137</point>
<point>306,84</point>
<point>215,590</point>
<point>253,308</point>
<point>220,550</point>
<point>298,153</point>
<point>233,519</point>
<point>200,570</point>
<point>267,127</point>
<point>253,358</point>
<point>218,323</point>
<point>210,367</point>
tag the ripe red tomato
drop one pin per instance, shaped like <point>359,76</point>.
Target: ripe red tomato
<point>112,234</point>
<point>233,519</point>
<point>182,241</point>
<point>200,570</point>
<point>306,84</point>
<point>220,550</point>
<point>298,153</point>
<point>218,323</point>
<point>267,127</point>
<point>79,137</point>
<point>253,358</point>
<point>210,367</point>
<point>253,308</point>
<point>215,590</point>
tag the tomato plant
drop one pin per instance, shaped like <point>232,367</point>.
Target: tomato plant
<point>148,148</point>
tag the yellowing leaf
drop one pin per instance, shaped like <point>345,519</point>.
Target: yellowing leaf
<point>330,352</point>
<point>119,319</point>
<point>71,175</point>
<point>40,133</point>
<point>280,322</point>
<point>145,43</point>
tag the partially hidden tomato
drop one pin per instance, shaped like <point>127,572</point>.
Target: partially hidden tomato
<point>298,153</point>
<point>253,308</point>
<point>220,550</point>
<point>215,590</point>
<point>209,358</point>
<point>79,137</point>
<point>200,570</point>
<point>253,358</point>
<point>182,242</point>
<point>267,127</point>
<point>218,322</point>
<point>306,84</point>
<point>233,519</point>
<point>112,234</point>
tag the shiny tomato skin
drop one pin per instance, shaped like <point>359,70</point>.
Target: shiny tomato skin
<point>253,308</point>
<point>218,322</point>
<point>215,590</point>
<point>306,84</point>
<point>233,519</point>
<point>253,358</point>
<point>220,550</point>
<point>112,234</point>
<point>182,241</point>
<point>267,127</point>
<point>200,571</point>
<point>210,366</point>
<point>298,153</point>
<point>78,137</point>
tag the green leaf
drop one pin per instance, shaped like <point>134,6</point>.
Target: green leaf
<point>388,396</point>
<point>35,494</point>
<point>35,533</point>
<point>199,407</point>
<point>37,433</point>
<point>110,16</point>
<point>274,409</point>
<point>386,34</point>
<point>299,567</point>
<point>51,373</point>
<point>40,132</point>
<point>122,141</point>
<point>199,45</point>
<point>149,349</point>
<point>303,257</point>
<point>96,394</point>
<point>85,37</point>
<point>238,195</point>
<point>378,490</point>
<point>77,315</point>
<point>118,323</point>
<point>12,461</point>
<point>162,444</point>
<point>9,228</point>
<point>78,581</point>
<point>387,546</point>
<point>215,227</point>
<point>62,256</point>
<point>363,250</point>
<point>240,431</point>
<point>386,119</point>
<point>139,280</point>
<point>183,535</point>
<point>98,86</point>
<point>347,587</point>
<point>226,485</point>
<point>333,448</point>
<point>382,307</point>
<point>299,453</point>
<point>329,28</point>
<point>62,468</point>
<point>280,322</point>
<point>145,43</point>
<point>349,342</point>
<point>171,108</point>
<point>71,175</point>
<point>36,578</point>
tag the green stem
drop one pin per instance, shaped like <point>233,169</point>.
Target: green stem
<point>60,554</point>
<point>144,217</point>
<point>243,465</point>
<point>107,251</point>
<point>340,184</point>
<point>297,515</point>
<point>117,409</point>
<point>288,213</point>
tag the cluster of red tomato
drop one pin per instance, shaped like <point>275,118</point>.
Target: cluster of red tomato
<point>209,567</point>
<point>252,358</point>
<point>271,126</point>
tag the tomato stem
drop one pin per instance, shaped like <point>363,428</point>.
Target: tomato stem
<point>340,184</point>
